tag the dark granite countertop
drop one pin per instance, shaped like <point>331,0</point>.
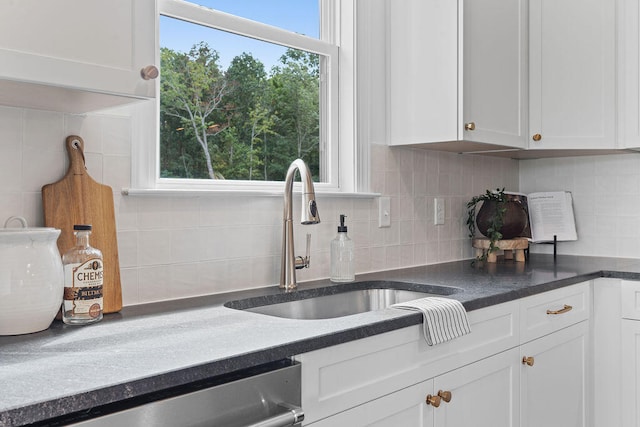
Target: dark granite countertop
<point>148,348</point>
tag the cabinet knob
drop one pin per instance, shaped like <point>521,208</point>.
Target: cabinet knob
<point>445,395</point>
<point>433,400</point>
<point>470,126</point>
<point>527,361</point>
<point>149,72</point>
<point>537,137</point>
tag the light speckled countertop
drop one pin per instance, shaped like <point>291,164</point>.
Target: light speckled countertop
<point>153,347</point>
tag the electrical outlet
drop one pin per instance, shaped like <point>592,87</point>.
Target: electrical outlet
<point>384,212</point>
<point>438,211</point>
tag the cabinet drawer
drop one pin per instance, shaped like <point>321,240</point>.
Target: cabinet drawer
<point>630,300</point>
<point>548,312</point>
<point>343,376</point>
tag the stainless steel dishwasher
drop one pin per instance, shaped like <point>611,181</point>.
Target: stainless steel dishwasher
<point>268,399</point>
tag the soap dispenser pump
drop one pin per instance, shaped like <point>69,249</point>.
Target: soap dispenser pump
<point>342,259</point>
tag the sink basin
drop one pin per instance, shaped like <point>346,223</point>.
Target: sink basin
<point>340,300</point>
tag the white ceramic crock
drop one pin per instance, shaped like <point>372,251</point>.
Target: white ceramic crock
<point>31,278</point>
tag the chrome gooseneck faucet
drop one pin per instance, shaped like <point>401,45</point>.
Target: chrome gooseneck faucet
<point>290,262</point>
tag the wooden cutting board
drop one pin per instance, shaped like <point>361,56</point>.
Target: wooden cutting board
<point>79,199</point>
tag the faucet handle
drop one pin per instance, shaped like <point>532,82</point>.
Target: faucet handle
<point>304,262</point>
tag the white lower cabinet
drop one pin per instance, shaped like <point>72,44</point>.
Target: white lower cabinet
<point>338,378</point>
<point>395,379</point>
<point>630,360</point>
<point>554,384</point>
<point>630,397</point>
<point>405,407</point>
<point>483,393</point>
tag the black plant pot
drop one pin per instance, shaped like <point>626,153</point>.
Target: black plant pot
<point>515,218</point>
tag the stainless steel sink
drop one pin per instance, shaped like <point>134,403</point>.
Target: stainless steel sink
<point>338,301</point>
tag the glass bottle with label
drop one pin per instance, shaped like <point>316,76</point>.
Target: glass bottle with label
<point>83,267</point>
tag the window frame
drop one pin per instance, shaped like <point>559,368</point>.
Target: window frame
<point>337,99</point>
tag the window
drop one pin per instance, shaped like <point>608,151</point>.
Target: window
<point>273,99</point>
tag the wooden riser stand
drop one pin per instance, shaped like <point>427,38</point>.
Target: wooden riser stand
<point>513,248</point>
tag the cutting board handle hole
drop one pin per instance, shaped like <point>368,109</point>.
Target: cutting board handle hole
<point>78,146</point>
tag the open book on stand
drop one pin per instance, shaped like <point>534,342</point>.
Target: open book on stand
<point>550,214</point>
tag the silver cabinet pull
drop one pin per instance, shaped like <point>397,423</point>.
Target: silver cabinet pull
<point>291,418</point>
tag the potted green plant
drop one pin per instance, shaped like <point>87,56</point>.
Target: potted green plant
<point>499,217</point>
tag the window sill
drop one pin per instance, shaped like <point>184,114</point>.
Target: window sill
<point>152,192</point>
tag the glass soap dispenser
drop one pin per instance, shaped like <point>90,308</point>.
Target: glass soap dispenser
<point>342,259</point>
<point>83,280</point>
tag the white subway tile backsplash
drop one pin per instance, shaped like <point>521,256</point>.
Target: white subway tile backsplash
<point>175,247</point>
<point>41,167</point>
<point>128,248</point>
<point>11,172</point>
<point>32,208</point>
<point>265,270</point>
<point>155,212</point>
<point>212,276</point>
<point>116,135</point>
<point>628,247</point>
<point>185,245</point>
<point>44,130</point>
<point>236,276</point>
<point>126,210</point>
<point>394,259</point>
<point>628,226</point>
<point>156,284</point>
<point>88,127</point>
<point>116,170</point>
<point>154,247</point>
<point>129,281</point>
<point>185,281</point>
<point>406,232</point>
<point>264,240</point>
<point>628,185</point>
<point>11,205</point>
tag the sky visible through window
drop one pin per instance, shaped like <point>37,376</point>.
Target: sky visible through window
<point>299,16</point>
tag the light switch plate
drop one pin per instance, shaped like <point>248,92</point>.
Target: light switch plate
<point>438,211</point>
<point>384,212</point>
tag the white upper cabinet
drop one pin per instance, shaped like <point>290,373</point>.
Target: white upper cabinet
<point>455,65</point>
<point>572,79</point>
<point>629,74</point>
<point>422,71</point>
<point>494,58</point>
<point>536,75</point>
<point>76,55</point>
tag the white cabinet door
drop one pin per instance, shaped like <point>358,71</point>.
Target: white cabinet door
<point>629,74</point>
<point>630,397</point>
<point>606,348</point>
<point>554,388</point>
<point>483,394</point>
<point>75,55</point>
<point>495,85</point>
<point>572,74</point>
<point>429,94</point>
<point>406,407</point>
<point>422,73</point>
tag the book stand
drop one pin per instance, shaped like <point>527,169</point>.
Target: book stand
<point>554,243</point>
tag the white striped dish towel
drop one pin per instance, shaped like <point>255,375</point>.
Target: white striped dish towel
<point>444,319</point>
